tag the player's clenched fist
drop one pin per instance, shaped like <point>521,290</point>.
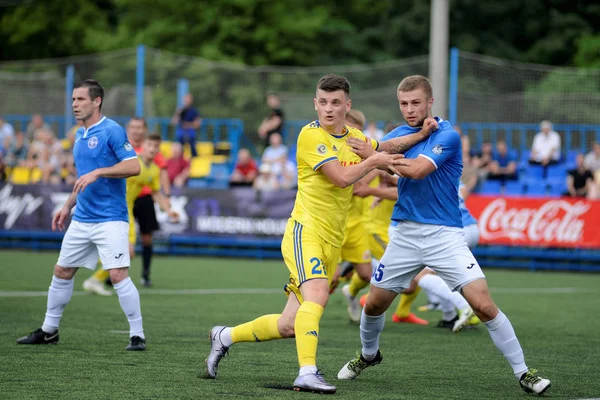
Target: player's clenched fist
<point>389,162</point>
<point>430,125</point>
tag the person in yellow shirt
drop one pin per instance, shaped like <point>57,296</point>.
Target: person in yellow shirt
<point>327,169</point>
<point>149,176</point>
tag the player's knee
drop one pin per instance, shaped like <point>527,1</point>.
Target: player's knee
<point>64,273</point>
<point>485,309</point>
<point>147,239</point>
<point>118,274</point>
<point>286,329</point>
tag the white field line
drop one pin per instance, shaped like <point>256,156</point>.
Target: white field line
<point>170,292</point>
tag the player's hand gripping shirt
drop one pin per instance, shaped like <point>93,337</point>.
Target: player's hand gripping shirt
<point>102,145</point>
<point>433,199</point>
<point>321,205</point>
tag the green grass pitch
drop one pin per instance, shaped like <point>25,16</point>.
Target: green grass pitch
<point>555,316</point>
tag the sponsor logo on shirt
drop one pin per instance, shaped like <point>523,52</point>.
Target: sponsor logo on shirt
<point>128,147</point>
<point>93,142</point>
<point>321,149</point>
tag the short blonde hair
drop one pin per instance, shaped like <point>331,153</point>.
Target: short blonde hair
<point>415,82</point>
<point>356,117</point>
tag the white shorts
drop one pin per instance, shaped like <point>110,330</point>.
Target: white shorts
<point>471,235</point>
<point>85,242</point>
<point>414,246</point>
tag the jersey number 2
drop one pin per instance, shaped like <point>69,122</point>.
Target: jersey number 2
<point>378,273</point>
<point>317,268</point>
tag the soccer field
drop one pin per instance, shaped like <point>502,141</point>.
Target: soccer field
<point>555,316</point>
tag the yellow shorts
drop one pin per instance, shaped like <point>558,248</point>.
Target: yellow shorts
<point>356,248</point>
<point>307,256</point>
<point>378,242</point>
<point>132,234</point>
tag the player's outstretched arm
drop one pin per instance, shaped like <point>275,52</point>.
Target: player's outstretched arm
<point>165,205</point>
<point>346,176</point>
<point>388,193</point>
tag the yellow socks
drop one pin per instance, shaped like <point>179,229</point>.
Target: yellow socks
<point>406,301</point>
<point>101,275</point>
<point>260,330</point>
<point>306,327</point>
<point>356,284</point>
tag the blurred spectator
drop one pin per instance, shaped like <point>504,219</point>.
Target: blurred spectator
<point>2,169</point>
<point>579,180</point>
<point>466,147</point>
<point>52,158</point>
<point>482,160</point>
<point>277,152</point>
<point>546,146</point>
<point>273,122</point>
<point>178,167</point>
<point>504,164</point>
<point>288,175</point>
<point>266,179</point>
<point>187,119</point>
<point>245,170</point>
<point>17,151</point>
<point>37,124</point>
<point>373,132</point>
<point>7,133</point>
<point>592,159</point>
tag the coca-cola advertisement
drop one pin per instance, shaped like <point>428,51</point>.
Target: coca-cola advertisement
<point>537,222</point>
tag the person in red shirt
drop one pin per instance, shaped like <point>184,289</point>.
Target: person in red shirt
<point>245,170</point>
<point>143,208</point>
<point>178,168</point>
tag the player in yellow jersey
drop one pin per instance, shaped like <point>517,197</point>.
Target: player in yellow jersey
<point>149,176</point>
<point>327,168</point>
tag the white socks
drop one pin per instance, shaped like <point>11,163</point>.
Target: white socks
<point>129,298</point>
<point>307,370</point>
<point>370,329</point>
<point>449,300</point>
<point>225,337</point>
<point>59,295</point>
<point>503,336</point>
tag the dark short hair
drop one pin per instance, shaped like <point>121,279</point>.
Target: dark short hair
<point>94,89</point>
<point>332,83</point>
<point>138,119</point>
<point>155,137</point>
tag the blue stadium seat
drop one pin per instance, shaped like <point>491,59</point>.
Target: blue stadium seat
<point>220,172</point>
<point>197,183</point>
<point>557,186</point>
<point>525,155</point>
<point>490,187</point>
<point>571,156</point>
<point>533,171</point>
<point>537,188</point>
<point>558,171</point>
<point>513,188</point>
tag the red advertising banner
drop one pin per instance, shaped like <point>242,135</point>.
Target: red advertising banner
<point>545,222</point>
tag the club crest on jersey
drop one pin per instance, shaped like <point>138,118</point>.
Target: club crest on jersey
<point>437,149</point>
<point>321,149</point>
<point>93,142</point>
<point>128,146</point>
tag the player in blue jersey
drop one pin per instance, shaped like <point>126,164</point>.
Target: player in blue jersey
<point>99,228</point>
<point>430,233</point>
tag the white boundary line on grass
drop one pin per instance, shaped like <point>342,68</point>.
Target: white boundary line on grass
<point>170,292</point>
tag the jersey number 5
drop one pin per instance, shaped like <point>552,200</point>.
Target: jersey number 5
<point>378,273</point>
<point>317,267</point>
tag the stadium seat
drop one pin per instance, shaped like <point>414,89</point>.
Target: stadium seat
<point>533,171</point>
<point>165,149</point>
<point>205,148</point>
<point>536,188</point>
<point>36,175</point>
<point>220,172</point>
<point>557,187</point>
<point>513,188</point>
<point>571,156</point>
<point>200,167</point>
<point>525,154</point>
<point>197,183</point>
<point>20,175</point>
<point>490,187</point>
<point>558,171</point>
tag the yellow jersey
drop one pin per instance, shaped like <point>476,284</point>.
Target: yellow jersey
<point>321,205</point>
<point>149,176</point>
